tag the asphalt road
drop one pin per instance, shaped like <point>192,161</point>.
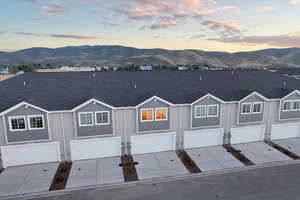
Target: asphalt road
<point>279,183</point>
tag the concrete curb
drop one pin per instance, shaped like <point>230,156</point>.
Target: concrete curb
<point>154,180</point>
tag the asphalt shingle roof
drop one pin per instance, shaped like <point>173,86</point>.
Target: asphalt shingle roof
<point>65,91</point>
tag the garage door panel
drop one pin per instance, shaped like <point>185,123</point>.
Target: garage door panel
<point>284,131</point>
<point>247,134</point>
<point>203,138</point>
<point>152,143</point>
<point>14,155</point>
<point>95,148</point>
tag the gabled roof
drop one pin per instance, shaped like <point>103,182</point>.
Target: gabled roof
<point>211,96</point>
<point>66,91</point>
<point>22,104</point>
<point>295,91</point>
<point>154,97</point>
<point>254,93</point>
<point>92,101</point>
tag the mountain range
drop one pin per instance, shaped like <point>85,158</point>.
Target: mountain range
<point>110,55</point>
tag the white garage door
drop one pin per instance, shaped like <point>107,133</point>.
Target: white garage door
<point>153,143</point>
<point>13,155</point>
<point>203,138</point>
<point>283,131</point>
<point>95,148</point>
<point>247,134</point>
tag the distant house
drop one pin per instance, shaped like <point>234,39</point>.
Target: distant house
<point>146,68</point>
<point>4,71</point>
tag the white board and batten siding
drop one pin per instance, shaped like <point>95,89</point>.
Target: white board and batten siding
<point>247,134</point>
<point>95,148</point>
<point>203,138</point>
<point>151,143</point>
<point>285,131</point>
<point>23,154</point>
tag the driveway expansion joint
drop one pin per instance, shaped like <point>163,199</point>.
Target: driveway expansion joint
<point>238,155</point>
<point>282,150</point>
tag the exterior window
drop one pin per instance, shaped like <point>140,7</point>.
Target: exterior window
<point>17,123</point>
<point>86,119</point>
<point>296,105</point>
<point>36,122</point>
<point>200,111</point>
<point>212,110</point>
<point>257,107</point>
<point>287,106</point>
<point>161,114</point>
<point>246,108</point>
<point>102,118</point>
<point>146,115</point>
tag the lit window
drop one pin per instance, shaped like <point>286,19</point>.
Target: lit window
<point>147,115</point>
<point>212,110</point>
<point>17,123</point>
<point>161,114</point>
<point>86,119</point>
<point>296,105</point>
<point>36,122</point>
<point>257,107</point>
<point>246,108</point>
<point>102,118</point>
<point>200,111</point>
<point>287,106</point>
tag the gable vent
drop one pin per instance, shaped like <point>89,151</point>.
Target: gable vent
<point>24,83</point>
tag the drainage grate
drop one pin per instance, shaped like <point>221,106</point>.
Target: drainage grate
<point>60,179</point>
<point>188,162</point>
<point>283,150</point>
<point>238,155</point>
<point>129,170</point>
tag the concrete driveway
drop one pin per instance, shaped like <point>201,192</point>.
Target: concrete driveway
<point>95,172</point>
<point>160,164</point>
<point>27,179</point>
<point>260,152</point>
<point>291,144</point>
<point>213,158</point>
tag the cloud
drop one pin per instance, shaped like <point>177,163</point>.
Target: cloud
<point>228,26</point>
<point>294,2</point>
<point>164,25</point>
<point>79,37</point>
<point>181,14</point>
<point>26,33</point>
<point>287,40</point>
<point>159,37</point>
<point>235,13</point>
<point>139,13</point>
<point>53,9</point>
<point>196,3</point>
<point>205,12</point>
<point>264,8</point>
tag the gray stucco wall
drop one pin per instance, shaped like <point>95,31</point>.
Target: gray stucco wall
<point>28,135</point>
<point>95,130</point>
<point>153,125</point>
<point>253,117</point>
<point>286,115</point>
<point>207,121</point>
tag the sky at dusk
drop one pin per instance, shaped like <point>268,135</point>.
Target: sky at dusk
<point>212,25</point>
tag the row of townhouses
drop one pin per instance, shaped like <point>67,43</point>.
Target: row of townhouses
<point>47,117</point>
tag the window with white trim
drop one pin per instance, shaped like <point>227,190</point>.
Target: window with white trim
<point>296,105</point>
<point>200,111</point>
<point>86,119</point>
<point>287,106</point>
<point>35,122</point>
<point>246,108</point>
<point>146,115</point>
<point>257,107</point>
<point>17,123</point>
<point>102,118</point>
<point>212,110</point>
<point>161,114</point>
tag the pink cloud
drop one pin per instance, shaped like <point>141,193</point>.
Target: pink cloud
<point>181,14</point>
<point>294,2</point>
<point>206,12</point>
<point>53,9</point>
<point>264,8</point>
<point>287,40</point>
<point>164,25</point>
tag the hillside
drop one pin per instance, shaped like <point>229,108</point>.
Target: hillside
<point>120,55</point>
